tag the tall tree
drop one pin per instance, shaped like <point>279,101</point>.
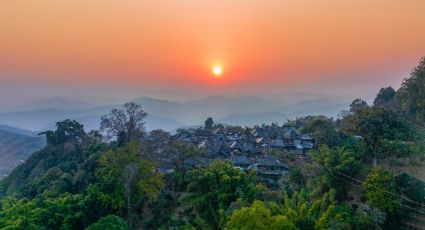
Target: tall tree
<point>182,152</point>
<point>357,105</point>
<point>323,130</point>
<point>213,189</point>
<point>126,124</point>
<point>380,190</point>
<point>66,131</point>
<point>411,95</point>
<point>209,122</point>
<point>377,126</point>
<point>385,98</point>
<point>331,165</point>
<point>127,179</point>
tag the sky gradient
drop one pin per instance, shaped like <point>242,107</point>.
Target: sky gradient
<point>350,47</point>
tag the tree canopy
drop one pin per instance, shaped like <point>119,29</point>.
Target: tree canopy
<point>411,95</point>
<point>66,131</point>
<point>126,124</point>
<point>380,190</point>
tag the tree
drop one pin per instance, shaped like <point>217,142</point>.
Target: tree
<point>64,212</point>
<point>323,131</point>
<point>333,165</point>
<point>306,213</point>
<point>357,105</point>
<point>127,124</point>
<point>212,189</point>
<point>110,222</point>
<point>376,125</point>
<point>380,190</point>
<point>209,123</point>
<point>411,187</point>
<point>127,179</point>
<point>385,98</point>
<point>411,95</point>
<point>258,217</point>
<point>66,131</point>
<point>182,151</point>
<point>157,145</point>
<point>367,217</point>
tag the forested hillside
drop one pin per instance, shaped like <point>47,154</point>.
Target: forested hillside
<point>363,172</point>
<point>15,147</point>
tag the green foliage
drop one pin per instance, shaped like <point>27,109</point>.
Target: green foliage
<point>385,98</point>
<point>212,190</point>
<point>323,130</point>
<point>411,95</point>
<point>358,105</point>
<point>66,131</point>
<point>126,178</point>
<point>295,176</point>
<point>367,217</point>
<point>296,212</point>
<point>110,222</point>
<point>411,187</point>
<point>376,126</point>
<point>257,217</point>
<point>65,212</point>
<point>113,191</point>
<point>183,151</point>
<point>332,167</point>
<point>380,190</point>
<point>55,169</point>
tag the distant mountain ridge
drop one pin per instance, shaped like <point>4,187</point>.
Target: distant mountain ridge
<point>169,115</point>
<point>55,103</point>
<point>15,130</point>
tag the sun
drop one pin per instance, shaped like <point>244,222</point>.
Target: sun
<point>217,70</point>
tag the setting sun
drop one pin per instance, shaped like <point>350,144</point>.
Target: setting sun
<point>217,70</point>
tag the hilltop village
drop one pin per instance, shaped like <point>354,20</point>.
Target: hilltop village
<point>246,148</point>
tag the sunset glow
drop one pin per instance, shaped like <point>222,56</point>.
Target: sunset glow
<point>217,71</point>
<point>160,44</point>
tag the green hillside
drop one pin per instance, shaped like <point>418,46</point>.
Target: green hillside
<point>15,148</point>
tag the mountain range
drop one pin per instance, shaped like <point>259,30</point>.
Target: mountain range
<point>169,115</point>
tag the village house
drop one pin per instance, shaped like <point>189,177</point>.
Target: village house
<point>247,149</point>
<point>241,162</point>
<point>269,166</point>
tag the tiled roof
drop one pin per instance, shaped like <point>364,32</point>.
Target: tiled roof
<point>271,161</point>
<point>240,160</point>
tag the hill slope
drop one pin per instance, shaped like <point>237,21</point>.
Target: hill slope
<point>16,148</point>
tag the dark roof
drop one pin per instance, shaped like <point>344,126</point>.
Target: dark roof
<point>240,160</point>
<point>290,133</point>
<point>235,145</point>
<point>277,143</point>
<point>271,161</point>
<point>196,162</point>
<point>250,148</point>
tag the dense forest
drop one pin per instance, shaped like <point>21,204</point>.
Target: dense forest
<point>365,172</point>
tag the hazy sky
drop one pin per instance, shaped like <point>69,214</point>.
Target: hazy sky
<point>105,48</point>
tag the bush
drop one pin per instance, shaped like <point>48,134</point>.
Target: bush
<point>110,222</point>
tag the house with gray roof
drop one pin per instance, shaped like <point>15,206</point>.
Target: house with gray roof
<point>242,162</point>
<point>270,166</point>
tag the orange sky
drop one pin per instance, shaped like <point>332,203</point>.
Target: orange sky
<point>173,43</point>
